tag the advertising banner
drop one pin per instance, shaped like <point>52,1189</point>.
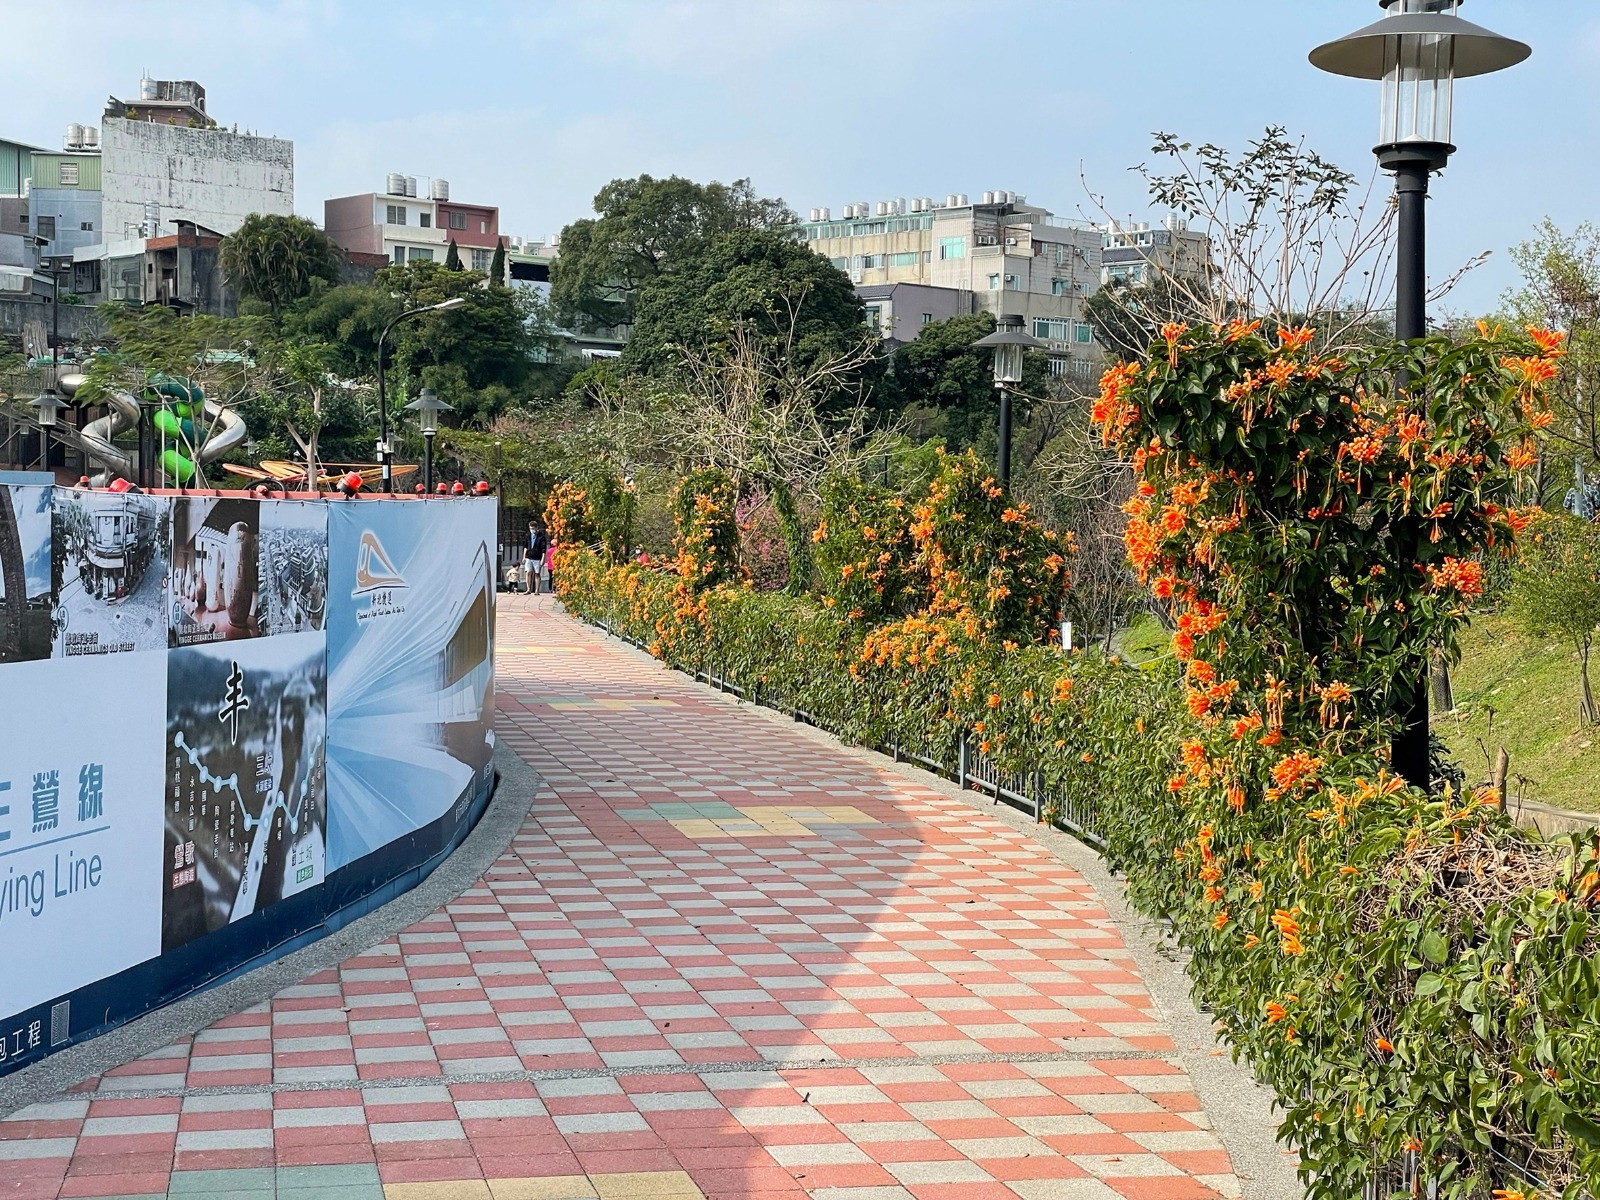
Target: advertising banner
<point>245,780</point>
<point>110,571</point>
<point>80,825</point>
<point>25,599</point>
<point>410,666</point>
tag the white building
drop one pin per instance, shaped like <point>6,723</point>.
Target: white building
<point>163,159</point>
<point>1009,257</point>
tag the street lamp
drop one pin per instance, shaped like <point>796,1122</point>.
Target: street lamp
<point>45,407</point>
<point>428,406</point>
<point>1009,343</point>
<point>385,451</point>
<point>1419,49</point>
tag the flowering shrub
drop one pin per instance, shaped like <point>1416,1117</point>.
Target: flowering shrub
<point>707,541</point>
<point>1411,973</point>
<point>863,552</point>
<point>567,516</point>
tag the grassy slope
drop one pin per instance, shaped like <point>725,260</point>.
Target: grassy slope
<point>1531,686</point>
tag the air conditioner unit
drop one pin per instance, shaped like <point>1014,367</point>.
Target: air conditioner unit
<point>856,276</point>
<point>1011,241</point>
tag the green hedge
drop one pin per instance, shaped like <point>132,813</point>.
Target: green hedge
<point>1412,976</point>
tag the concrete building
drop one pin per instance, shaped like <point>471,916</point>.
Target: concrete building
<point>898,311</point>
<point>164,160</point>
<point>65,201</point>
<point>1137,253</point>
<point>1008,256</point>
<point>404,226</point>
<point>180,269</point>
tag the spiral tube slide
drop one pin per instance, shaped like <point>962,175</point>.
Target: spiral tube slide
<point>227,430</point>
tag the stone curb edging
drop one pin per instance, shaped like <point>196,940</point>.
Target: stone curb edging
<point>507,811</point>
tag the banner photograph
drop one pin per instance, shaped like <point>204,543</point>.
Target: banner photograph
<point>215,570</point>
<point>25,600</point>
<point>110,571</point>
<point>80,823</point>
<point>246,810</point>
<point>410,667</point>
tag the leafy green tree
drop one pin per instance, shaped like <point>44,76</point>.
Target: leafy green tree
<point>763,281</point>
<point>497,265</point>
<point>276,260</point>
<point>1555,589</point>
<point>452,257</point>
<point>942,386</point>
<point>642,228</point>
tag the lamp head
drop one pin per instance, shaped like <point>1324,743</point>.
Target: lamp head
<point>428,406</point>
<point>1009,343</point>
<point>1418,50</point>
<point>45,407</point>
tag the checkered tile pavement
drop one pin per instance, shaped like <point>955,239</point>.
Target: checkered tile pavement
<point>719,959</point>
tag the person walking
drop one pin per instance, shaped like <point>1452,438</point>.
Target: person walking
<point>534,565</point>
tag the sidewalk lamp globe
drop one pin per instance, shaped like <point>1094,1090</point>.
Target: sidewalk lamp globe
<point>428,406</point>
<point>46,405</point>
<point>1417,52</point>
<point>1009,343</point>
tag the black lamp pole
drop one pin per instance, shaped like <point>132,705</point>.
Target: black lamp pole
<point>1004,456</point>
<point>1009,344</point>
<point>1418,50</point>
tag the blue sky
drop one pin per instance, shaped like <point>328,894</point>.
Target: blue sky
<point>533,105</point>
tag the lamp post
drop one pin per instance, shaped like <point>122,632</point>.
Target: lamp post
<point>45,408</point>
<point>1418,50</point>
<point>385,452</point>
<point>428,406</point>
<point>1009,343</point>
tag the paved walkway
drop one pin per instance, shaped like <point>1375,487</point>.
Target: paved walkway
<point>718,960</point>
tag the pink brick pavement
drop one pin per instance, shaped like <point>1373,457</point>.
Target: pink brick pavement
<point>716,946</point>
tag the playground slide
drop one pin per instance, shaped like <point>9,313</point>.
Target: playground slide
<point>178,398</point>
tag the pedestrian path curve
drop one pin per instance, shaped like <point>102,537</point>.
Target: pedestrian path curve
<point>720,959</point>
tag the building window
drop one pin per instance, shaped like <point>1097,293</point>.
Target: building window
<point>69,174</point>
<point>871,262</point>
<point>952,247</point>
<point>1082,333</point>
<point>994,283</point>
<point>927,318</point>
<point>458,220</point>
<point>1011,283</point>
<point>397,215</point>
<point>842,263</point>
<point>400,254</point>
<point>874,317</point>
<point>425,220</point>
<point>483,227</point>
<point>1060,287</point>
<point>421,254</point>
<point>47,228</point>
<point>1052,329</point>
<point>480,259</point>
<point>87,226</point>
<point>908,258</point>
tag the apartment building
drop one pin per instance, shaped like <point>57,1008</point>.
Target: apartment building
<point>405,226</point>
<point>1138,254</point>
<point>998,254</point>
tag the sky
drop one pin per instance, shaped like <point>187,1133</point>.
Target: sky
<point>533,105</point>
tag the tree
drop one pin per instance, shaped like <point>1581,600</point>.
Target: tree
<point>1561,290</point>
<point>1556,590</point>
<point>497,265</point>
<point>641,229</point>
<point>765,282</point>
<point>13,577</point>
<point>276,260</point>
<point>452,257</point>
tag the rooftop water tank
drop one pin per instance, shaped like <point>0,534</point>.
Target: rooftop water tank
<point>440,189</point>
<point>147,89</point>
<point>394,184</point>
<point>827,215</point>
<point>91,137</point>
<point>411,185</point>
<point>74,136</point>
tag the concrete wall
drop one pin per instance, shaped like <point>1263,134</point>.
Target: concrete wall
<point>209,176</point>
<point>77,320</point>
<point>72,208</point>
<point>348,221</point>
